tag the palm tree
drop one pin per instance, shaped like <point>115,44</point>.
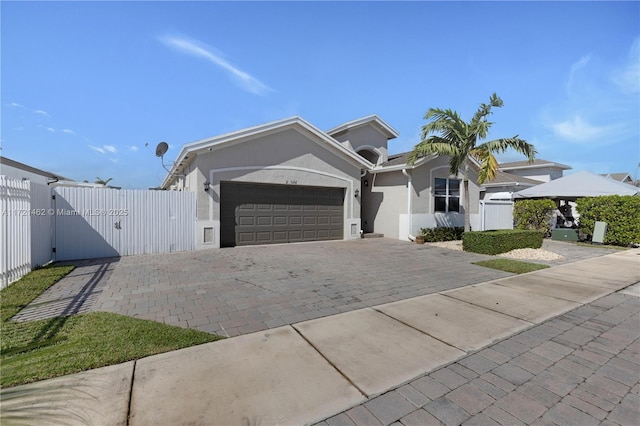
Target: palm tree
<point>101,181</point>
<point>447,134</point>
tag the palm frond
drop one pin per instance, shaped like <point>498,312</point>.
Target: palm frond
<point>488,164</point>
<point>519,145</point>
<point>432,145</point>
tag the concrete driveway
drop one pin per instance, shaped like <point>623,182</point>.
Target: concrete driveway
<point>242,290</point>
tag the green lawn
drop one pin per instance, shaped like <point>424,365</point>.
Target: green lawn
<point>37,350</point>
<point>509,265</point>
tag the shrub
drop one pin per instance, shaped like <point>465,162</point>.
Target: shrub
<point>534,215</point>
<point>621,213</point>
<point>432,235</point>
<point>496,242</point>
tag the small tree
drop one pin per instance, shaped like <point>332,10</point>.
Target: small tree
<point>448,134</point>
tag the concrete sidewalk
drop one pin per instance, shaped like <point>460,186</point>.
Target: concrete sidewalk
<point>403,361</point>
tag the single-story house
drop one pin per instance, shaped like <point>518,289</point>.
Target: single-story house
<point>288,181</point>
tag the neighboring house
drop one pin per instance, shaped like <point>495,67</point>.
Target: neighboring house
<point>620,177</point>
<point>539,170</point>
<point>516,176</point>
<point>504,185</point>
<point>288,181</point>
<point>17,170</point>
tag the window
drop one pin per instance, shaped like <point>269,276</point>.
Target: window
<point>447,195</point>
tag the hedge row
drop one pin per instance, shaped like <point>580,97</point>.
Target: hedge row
<point>621,213</point>
<point>432,235</point>
<point>502,241</point>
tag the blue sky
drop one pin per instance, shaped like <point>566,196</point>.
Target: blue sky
<point>86,85</point>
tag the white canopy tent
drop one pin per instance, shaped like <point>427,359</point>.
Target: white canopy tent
<point>578,185</point>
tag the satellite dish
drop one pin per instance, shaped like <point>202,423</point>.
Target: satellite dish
<point>161,149</point>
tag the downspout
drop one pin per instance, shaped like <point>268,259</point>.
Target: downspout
<point>409,209</point>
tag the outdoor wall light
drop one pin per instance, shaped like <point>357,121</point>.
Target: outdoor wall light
<point>206,186</point>
<point>356,193</point>
<point>366,182</point>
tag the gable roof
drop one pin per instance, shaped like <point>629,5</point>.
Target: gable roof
<point>373,120</point>
<point>620,177</point>
<point>228,139</point>
<point>580,184</point>
<point>536,164</point>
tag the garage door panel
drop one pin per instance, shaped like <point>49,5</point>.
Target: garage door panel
<point>264,214</point>
<point>295,236</point>
<point>264,237</point>
<point>309,235</point>
<point>246,221</point>
<point>280,236</point>
<point>264,221</point>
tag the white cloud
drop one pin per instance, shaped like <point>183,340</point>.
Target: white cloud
<point>16,105</point>
<point>577,129</point>
<point>51,129</point>
<point>104,149</point>
<point>68,131</point>
<point>575,69</point>
<point>628,77</point>
<point>41,112</point>
<point>196,48</point>
<point>133,148</point>
<point>97,149</point>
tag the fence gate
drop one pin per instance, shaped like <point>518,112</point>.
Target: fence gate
<point>95,222</point>
<point>496,215</point>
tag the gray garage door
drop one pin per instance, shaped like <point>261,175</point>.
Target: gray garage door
<point>270,214</point>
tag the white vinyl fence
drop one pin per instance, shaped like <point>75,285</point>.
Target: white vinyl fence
<point>496,215</point>
<point>92,223</point>
<point>40,224</point>
<point>42,221</point>
<point>15,229</point>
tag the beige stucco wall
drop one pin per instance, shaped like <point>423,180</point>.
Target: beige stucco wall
<point>288,157</point>
<point>384,200</point>
<point>392,217</point>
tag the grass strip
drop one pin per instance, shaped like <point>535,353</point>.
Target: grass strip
<point>43,349</point>
<point>509,265</point>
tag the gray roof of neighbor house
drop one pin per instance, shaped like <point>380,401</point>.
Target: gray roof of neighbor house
<point>27,168</point>
<point>620,177</point>
<point>536,164</point>
<point>508,179</point>
<point>580,184</point>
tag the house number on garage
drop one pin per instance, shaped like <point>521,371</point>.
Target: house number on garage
<point>292,182</point>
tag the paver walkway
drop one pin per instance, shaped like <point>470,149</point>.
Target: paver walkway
<point>581,368</point>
